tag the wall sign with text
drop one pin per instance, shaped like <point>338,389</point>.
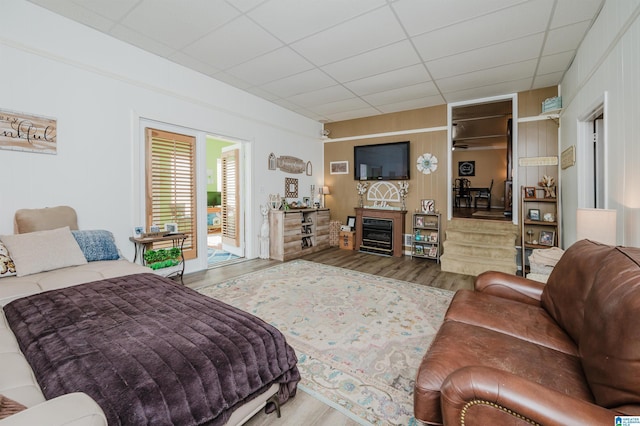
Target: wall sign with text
<point>24,132</point>
<point>466,168</point>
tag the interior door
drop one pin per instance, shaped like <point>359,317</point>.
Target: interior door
<point>232,240</point>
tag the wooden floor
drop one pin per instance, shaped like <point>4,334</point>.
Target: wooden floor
<point>305,409</point>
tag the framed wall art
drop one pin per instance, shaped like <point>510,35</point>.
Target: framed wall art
<point>339,167</point>
<point>290,188</point>
<point>466,168</point>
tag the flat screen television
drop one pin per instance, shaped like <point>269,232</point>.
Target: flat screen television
<point>386,161</point>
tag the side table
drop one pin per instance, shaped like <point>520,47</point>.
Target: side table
<point>177,240</point>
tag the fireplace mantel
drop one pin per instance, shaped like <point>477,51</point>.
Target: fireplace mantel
<point>398,218</point>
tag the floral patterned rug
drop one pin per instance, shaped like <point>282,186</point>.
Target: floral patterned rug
<point>359,337</point>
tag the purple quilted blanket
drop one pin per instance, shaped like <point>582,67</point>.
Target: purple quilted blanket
<point>150,351</point>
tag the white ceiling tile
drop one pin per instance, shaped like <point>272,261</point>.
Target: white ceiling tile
<point>403,93</point>
<point>572,11</point>
<point>113,10</point>
<point>140,40</point>
<point>516,71</point>
<point>397,55</point>
<point>349,115</point>
<point>78,13</point>
<point>233,44</point>
<point>565,38</point>
<point>323,96</point>
<point>311,16</point>
<point>524,20</point>
<point>557,62</point>
<point>350,59</point>
<point>272,66</point>
<point>340,106</point>
<point>420,16</point>
<point>157,19</point>
<point>547,80</point>
<point>491,90</point>
<point>379,83</point>
<point>307,81</point>
<point>412,104</point>
<point>370,31</point>
<point>488,57</point>
<point>245,5</point>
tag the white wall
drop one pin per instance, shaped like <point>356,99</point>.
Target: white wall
<point>98,89</point>
<point>607,65</point>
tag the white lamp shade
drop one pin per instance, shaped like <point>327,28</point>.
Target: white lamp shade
<point>596,225</point>
<point>325,190</point>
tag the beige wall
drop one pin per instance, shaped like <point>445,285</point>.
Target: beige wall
<point>536,138</point>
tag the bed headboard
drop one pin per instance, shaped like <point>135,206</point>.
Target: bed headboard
<point>31,220</point>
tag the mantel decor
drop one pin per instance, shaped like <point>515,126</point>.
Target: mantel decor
<point>30,133</point>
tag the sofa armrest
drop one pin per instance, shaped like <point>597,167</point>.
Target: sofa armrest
<point>510,287</point>
<point>498,396</point>
<point>73,409</point>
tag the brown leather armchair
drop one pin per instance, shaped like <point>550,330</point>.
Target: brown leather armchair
<point>515,351</point>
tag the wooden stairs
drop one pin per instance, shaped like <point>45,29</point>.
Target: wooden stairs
<point>473,246</point>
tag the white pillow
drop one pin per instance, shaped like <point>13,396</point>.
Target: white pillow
<point>43,250</point>
<point>7,267</point>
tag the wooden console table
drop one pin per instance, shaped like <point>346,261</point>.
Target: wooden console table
<point>398,218</point>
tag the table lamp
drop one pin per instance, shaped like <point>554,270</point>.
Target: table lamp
<point>324,191</point>
<point>596,225</point>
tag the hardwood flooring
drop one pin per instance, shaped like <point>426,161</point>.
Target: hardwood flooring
<point>305,409</point>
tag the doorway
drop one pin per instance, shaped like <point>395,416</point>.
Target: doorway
<point>224,208</point>
<point>592,148</point>
<point>481,150</point>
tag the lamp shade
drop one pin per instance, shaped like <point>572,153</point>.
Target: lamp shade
<point>325,190</point>
<point>596,225</point>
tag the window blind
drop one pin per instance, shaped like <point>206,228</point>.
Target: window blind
<point>171,185</point>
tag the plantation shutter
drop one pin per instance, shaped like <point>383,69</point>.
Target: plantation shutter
<point>230,198</point>
<point>171,185</point>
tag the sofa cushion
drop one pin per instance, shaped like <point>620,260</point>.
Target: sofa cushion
<point>32,220</point>
<point>496,313</point>
<point>43,250</point>
<point>610,340</point>
<point>7,267</point>
<point>570,282</point>
<point>97,245</point>
<point>458,345</point>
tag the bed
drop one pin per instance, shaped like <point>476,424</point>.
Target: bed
<point>144,348</point>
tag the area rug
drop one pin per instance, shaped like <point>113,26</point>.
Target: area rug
<point>215,255</point>
<point>359,338</point>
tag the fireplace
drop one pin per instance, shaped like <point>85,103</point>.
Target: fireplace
<point>383,231</point>
<point>377,235</point>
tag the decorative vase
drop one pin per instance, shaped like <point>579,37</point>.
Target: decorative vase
<point>404,207</point>
<point>361,201</point>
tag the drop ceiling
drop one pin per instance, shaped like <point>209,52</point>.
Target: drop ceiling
<point>332,60</point>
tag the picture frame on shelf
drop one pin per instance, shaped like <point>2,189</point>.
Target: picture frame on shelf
<point>419,250</point>
<point>534,214</point>
<point>351,222</point>
<point>171,227</point>
<point>530,192</point>
<point>428,206</point>
<point>433,251</point>
<point>306,201</point>
<point>138,231</point>
<point>419,222</point>
<point>433,237</point>
<point>546,238</point>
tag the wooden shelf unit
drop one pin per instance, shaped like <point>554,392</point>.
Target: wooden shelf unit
<point>426,227</point>
<point>294,233</point>
<point>544,206</point>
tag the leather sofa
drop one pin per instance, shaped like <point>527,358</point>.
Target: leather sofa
<point>519,352</point>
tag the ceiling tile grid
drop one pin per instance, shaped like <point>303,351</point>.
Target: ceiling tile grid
<point>333,60</point>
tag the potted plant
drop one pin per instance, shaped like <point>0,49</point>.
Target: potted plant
<point>162,258</point>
